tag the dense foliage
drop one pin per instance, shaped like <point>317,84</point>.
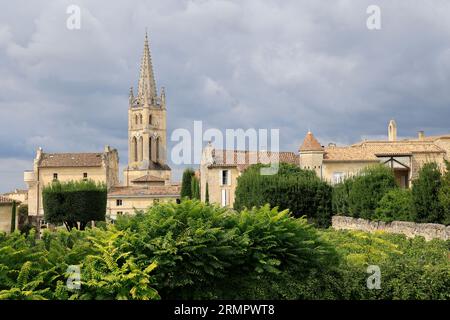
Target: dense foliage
<point>425,192</point>
<point>367,190</point>
<point>396,205</point>
<point>193,250</point>
<point>300,191</point>
<point>36,269</point>
<point>209,252</point>
<point>74,202</point>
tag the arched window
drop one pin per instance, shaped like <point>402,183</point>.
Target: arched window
<point>134,149</point>
<point>150,148</point>
<point>150,119</point>
<point>140,118</point>
<point>140,148</point>
<point>136,119</point>
<point>157,149</point>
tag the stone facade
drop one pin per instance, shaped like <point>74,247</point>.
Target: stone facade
<point>6,205</point>
<point>48,167</point>
<point>410,229</point>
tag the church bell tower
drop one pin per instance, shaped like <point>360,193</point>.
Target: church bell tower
<point>147,132</point>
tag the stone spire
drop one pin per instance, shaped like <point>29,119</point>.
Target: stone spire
<point>146,85</point>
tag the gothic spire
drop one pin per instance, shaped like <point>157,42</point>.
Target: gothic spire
<point>146,85</point>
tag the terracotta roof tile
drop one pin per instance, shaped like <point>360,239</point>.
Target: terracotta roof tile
<point>148,178</point>
<point>310,143</point>
<point>71,160</point>
<point>171,190</point>
<point>243,159</point>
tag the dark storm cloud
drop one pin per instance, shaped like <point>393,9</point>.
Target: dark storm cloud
<point>292,65</point>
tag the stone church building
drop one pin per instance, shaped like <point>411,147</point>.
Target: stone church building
<point>221,168</point>
<point>146,178</point>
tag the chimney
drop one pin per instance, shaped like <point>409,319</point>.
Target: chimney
<point>421,135</point>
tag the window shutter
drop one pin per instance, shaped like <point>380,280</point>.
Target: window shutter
<point>220,177</point>
<point>229,177</point>
<point>224,198</point>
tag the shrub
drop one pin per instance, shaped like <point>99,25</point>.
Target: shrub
<point>396,204</point>
<point>300,191</point>
<point>340,197</point>
<point>207,252</point>
<point>425,194</point>
<point>74,202</point>
<point>367,189</point>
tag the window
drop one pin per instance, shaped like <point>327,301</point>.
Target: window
<point>225,177</point>
<point>338,177</point>
<point>150,119</point>
<point>119,213</point>
<point>85,176</point>
<point>155,201</point>
<point>55,176</point>
<point>118,202</point>
<point>137,119</point>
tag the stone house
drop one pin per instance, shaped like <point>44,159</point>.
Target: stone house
<point>6,205</point>
<point>221,168</point>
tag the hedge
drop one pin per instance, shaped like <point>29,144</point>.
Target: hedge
<point>300,191</point>
<point>73,202</point>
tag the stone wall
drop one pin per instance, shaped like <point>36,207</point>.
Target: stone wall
<point>410,229</point>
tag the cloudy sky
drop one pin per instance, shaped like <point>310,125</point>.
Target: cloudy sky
<point>293,65</point>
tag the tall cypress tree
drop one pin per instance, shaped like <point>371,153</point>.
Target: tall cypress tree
<point>13,217</point>
<point>207,193</point>
<point>186,184</point>
<point>195,188</point>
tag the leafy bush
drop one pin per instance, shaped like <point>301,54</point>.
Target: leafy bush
<point>74,202</point>
<point>300,191</point>
<point>396,204</point>
<point>36,269</point>
<point>210,252</point>
<point>367,189</point>
<point>410,268</point>
<point>425,194</point>
<point>340,197</point>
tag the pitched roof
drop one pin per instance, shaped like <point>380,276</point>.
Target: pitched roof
<point>148,178</point>
<point>348,154</point>
<point>370,150</point>
<point>71,160</point>
<point>310,143</point>
<point>242,159</point>
<point>150,191</point>
<point>400,147</point>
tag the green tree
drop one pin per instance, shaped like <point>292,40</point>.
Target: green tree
<point>13,216</point>
<point>74,202</point>
<point>195,188</point>
<point>300,191</point>
<point>207,193</point>
<point>368,188</point>
<point>425,194</point>
<point>396,204</point>
<point>186,183</point>
<point>444,195</point>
